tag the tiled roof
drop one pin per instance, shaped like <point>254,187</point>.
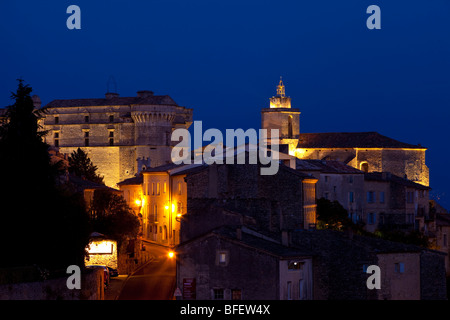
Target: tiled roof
<point>251,240</point>
<point>115,101</point>
<point>443,219</point>
<point>350,140</point>
<point>315,239</point>
<point>87,184</point>
<point>131,181</point>
<point>387,176</point>
<point>326,166</point>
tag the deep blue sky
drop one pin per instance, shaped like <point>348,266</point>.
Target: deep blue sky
<point>224,60</point>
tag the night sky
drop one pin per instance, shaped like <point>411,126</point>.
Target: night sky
<point>224,60</point>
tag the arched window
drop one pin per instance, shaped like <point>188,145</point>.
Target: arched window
<point>364,167</point>
<point>290,127</point>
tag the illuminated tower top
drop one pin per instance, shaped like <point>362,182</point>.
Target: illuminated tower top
<point>280,88</point>
<point>280,100</point>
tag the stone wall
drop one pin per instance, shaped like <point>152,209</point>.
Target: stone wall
<point>92,288</point>
<point>281,193</point>
<point>255,274</point>
<point>432,276</point>
<point>401,162</point>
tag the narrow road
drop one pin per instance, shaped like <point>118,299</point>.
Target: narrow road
<point>153,281</point>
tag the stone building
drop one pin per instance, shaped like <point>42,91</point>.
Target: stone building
<point>337,182</point>
<point>366,151</point>
<point>395,202</point>
<point>278,202</point>
<point>340,262</point>
<point>121,135</point>
<point>159,197</point>
<point>238,263</point>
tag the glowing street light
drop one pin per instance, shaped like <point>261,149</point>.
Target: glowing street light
<point>171,254</point>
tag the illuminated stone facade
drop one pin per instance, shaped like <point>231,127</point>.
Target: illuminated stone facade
<point>366,151</point>
<point>122,135</point>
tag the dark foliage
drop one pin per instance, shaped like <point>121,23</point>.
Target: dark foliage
<point>111,215</point>
<point>42,223</point>
<point>81,166</point>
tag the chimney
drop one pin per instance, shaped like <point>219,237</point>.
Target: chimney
<point>111,95</point>
<point>36,101</point>
<point>144,94</point>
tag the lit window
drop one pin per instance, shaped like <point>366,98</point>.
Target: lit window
<point>158,189</point>
<point>236,294</point>
<point>222,258</point>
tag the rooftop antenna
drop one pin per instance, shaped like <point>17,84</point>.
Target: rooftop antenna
<point>111,83</point>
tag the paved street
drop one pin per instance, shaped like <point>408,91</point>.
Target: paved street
<point>153,281</point>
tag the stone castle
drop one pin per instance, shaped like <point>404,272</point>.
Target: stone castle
<point>121,135</point>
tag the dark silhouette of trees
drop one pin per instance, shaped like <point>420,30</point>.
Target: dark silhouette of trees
<point>332,215</point>
<point>111,215</point>
<point>42,223</point>
<point>81,166</point>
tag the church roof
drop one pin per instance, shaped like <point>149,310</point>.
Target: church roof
<point>114,101</point>
<point>351,140</point>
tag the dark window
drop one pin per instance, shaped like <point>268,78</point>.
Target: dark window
<point>370,197</point>
<point>295,265</point>
<point>371,219</point>
<point>111,118</point>
<point>218,294</point>
<point>86,119</point>
<point>86,138</point>
<point>351,198</point>
<point>111,138</point>
<point>56,119</point>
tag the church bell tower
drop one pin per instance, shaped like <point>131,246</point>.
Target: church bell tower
<point>280,115</point>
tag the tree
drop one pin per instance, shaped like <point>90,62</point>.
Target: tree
<point>332,215</point>
<point>42,223</point>
<point>111,215</point>
<point>81,166</point>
